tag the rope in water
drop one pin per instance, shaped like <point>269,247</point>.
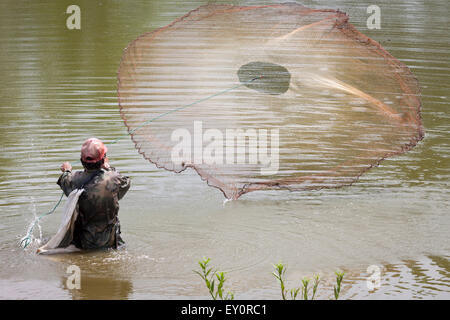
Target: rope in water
<point>28,238</point>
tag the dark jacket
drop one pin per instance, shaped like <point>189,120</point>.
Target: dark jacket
<point>97,225</point>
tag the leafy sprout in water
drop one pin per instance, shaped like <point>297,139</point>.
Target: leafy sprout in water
<point>337,287</point>
<point>279,274</point>
<point>210,276</point>
<point>304,288</point>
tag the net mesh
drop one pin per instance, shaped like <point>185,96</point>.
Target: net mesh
<point>321,102</point>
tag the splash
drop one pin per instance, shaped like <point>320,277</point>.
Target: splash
<point>340,102</point>
<point>29,238</point>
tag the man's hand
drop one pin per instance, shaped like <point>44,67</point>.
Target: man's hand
<point>66,167</point>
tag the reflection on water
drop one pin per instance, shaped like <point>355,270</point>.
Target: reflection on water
<point>98,288</point>
<point>100,278</point>
<point>427,278</point>
<point>59,88</point>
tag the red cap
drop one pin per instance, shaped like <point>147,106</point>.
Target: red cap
<point>93,150</point>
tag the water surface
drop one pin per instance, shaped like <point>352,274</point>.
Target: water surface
<point>58,87</point>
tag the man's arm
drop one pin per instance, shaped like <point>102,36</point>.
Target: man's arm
<point>65,180</point>
<point>124,185</point>
<point>123,181</point>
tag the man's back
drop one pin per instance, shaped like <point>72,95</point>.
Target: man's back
<point>97,225</point>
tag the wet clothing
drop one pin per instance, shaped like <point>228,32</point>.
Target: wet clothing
<point>97,225</point>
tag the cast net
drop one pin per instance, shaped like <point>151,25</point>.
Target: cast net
<point>266,97</point>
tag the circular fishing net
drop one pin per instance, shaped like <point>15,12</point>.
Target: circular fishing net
<point>266,97</point>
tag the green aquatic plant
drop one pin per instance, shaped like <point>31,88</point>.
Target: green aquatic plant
<point>279,273</point>
<point>305,289</point>
<point>337,287</point>
<point>315,286</point>
<point>210,276</point>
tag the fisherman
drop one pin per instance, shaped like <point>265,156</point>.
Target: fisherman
<point>97,225</point>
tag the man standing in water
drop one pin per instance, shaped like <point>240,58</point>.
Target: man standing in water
<point>97,225</point>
